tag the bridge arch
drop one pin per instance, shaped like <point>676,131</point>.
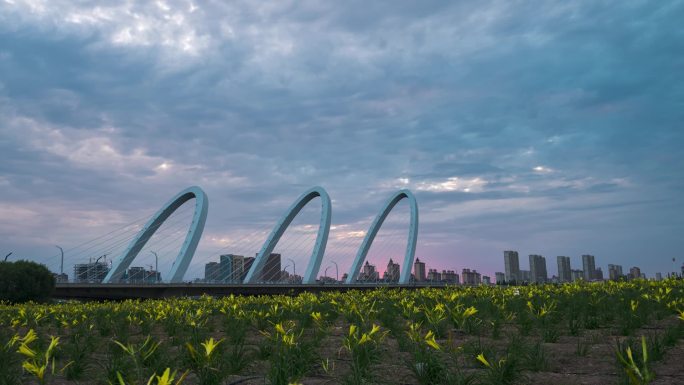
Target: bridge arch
<point>282,225</point>
<point>373,231</point>
<point>187,251</point>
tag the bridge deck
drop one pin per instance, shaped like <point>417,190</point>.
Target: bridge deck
<point>112,291</point>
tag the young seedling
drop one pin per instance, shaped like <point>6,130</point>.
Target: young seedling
<point>206,362</point>
<point>503,372</point>
<point>637,374</point>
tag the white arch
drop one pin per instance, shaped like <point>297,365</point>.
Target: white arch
<point>373,231</point>
<point>187,251</point>
<point>281,226</point>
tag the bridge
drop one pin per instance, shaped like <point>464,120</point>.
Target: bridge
<point>119,291</point>
<point>260,274</point>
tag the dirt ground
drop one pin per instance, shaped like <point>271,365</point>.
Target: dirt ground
<point>566,367</point>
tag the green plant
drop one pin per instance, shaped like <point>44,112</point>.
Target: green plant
<point>656,346</point>
<point>234,350</point>
<point>505,371</point>
<point>206,362</point>
<point>291,356</point>
<point>471,349</point>
<point>142,356</point>
<point>10,368</point>
<point>426,364</point>
<point>535,358</point>
<point>167,378</point>
<point>41,364</point>
<point>463,318</point>
<point>637,370</point>
<point>544,317</point>
<point>363,346</point>
<point>77,349</point>
<point>436,317</point>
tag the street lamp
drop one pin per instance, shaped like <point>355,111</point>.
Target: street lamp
<point>61,263</point>
<point>10,253</point>
<point>325,275</point>
<point>337,271</point>
<point>156,267</point>
<point>294,267</point>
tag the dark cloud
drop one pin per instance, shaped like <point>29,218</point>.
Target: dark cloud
<point>542,127</point>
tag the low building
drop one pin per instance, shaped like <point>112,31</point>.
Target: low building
<point>577,274</point>
<point>434,276</point>
<point>471,277</point>
<point>450,276</point>
<point>368,273</point>
<point>61,278</point>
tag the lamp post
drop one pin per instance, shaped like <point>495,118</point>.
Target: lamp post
<point>325,275</point>
<point>294,266</point>
<point>61,262</point>
<point>156,267</point>
<point>337,271</point>
<point>10,253</point>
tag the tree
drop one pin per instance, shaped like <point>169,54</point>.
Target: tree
<point>23,281</point>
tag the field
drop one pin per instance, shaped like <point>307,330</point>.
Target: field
<point>599,333</point>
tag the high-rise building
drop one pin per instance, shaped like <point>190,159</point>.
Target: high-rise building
<point>500,277</point>
<point>226,267</point>
<point>93,272</point>
<point>419,270</point>
<point>471,277</point>
<point>634,272</point>
<point>212,271</point>
<point>512,266</point>
<point>271,270</point>
<point>237,268</point>
<point>232,267</point>
<point>614,272</point>
<point>538,272</point>
<point>392,271</point>
<point>248,262</point>
<point>564,273</point>
<point>659,276</point>
<point>486,280</point>
<point>588,266</point>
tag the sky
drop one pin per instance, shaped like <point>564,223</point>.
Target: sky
<point>550,128</point>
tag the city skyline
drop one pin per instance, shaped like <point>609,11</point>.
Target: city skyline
<point>107,111</point>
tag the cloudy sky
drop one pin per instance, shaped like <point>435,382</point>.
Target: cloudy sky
<point>552,128</point>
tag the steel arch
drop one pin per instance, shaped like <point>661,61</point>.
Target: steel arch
<point>282,225</point>
<point>180,266</point>
<point>373,231</point>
